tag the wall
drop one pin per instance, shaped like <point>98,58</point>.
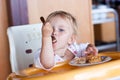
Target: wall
<point>81,9</point>
<point>4,51</point>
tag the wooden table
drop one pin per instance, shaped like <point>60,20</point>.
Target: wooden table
<point>64,71</point>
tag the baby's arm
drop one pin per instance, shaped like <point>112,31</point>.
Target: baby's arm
<point>47,53</point>
<point>68,55</point>
<point>82,49</point>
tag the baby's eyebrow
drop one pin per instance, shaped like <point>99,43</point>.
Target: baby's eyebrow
<point>62,26</point>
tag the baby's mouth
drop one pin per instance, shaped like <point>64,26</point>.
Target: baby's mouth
<point>53,39</point>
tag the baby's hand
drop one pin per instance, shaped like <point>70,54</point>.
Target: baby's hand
<point>47,30</point>
<point>91,49</point>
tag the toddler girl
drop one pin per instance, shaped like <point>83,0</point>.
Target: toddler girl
<point>58,36</point>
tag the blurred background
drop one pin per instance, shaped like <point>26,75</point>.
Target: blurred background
<point>106,23</point>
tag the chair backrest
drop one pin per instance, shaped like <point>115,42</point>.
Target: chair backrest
<point>24,40</point>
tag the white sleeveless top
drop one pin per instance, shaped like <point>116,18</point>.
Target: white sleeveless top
<point>77,50</point>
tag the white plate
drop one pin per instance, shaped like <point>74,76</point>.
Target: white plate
<point>104,59</point>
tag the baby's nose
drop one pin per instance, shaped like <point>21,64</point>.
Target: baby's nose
<point>54,32</point>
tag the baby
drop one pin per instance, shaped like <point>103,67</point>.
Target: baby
<point>59,36</point>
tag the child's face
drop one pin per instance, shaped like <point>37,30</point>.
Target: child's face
<point>62,31</point>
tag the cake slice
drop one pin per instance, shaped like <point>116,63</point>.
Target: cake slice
<point>80,60</point>
<point>94,59</point>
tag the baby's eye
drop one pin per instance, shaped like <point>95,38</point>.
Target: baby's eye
<point>61,30</point>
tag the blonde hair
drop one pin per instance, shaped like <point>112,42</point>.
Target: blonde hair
<point>66,15</point>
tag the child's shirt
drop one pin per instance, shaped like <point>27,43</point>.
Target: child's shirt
<point>77,50</point>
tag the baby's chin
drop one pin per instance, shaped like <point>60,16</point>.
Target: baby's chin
<point>54,48</point>
<point>54,45</point>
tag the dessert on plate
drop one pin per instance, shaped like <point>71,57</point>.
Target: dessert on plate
<point>90,58</point>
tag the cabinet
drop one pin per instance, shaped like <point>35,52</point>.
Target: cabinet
<point>100,17</point>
